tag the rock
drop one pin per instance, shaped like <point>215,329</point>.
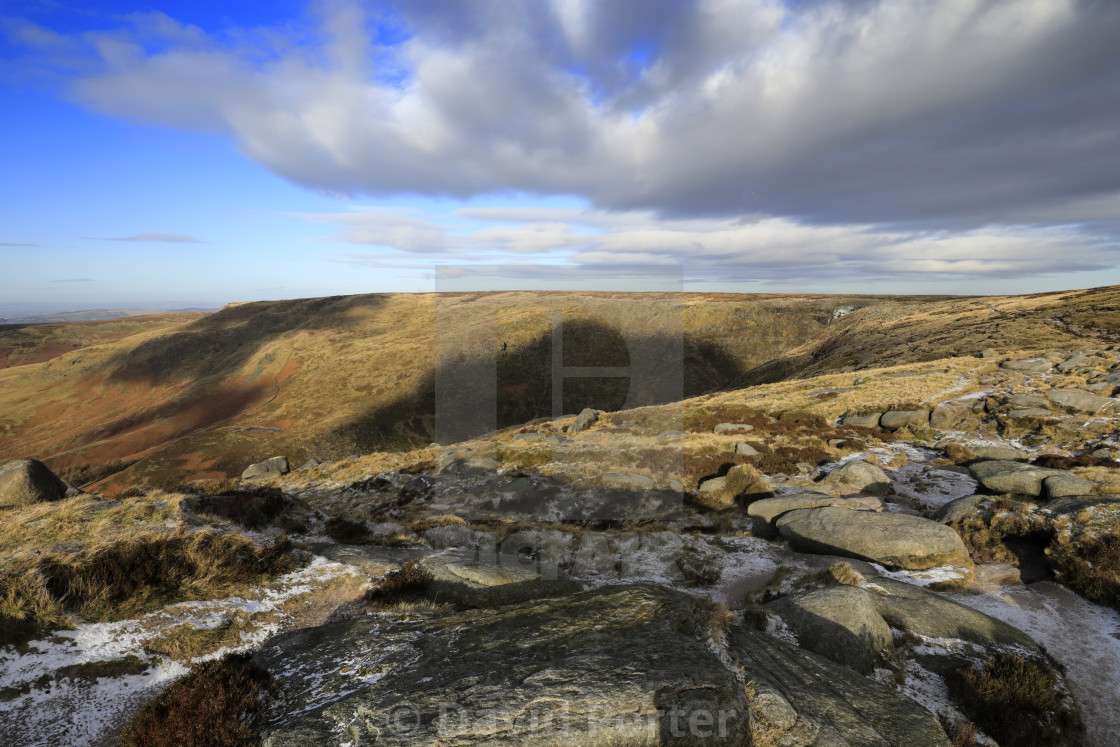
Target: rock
<point>895,419</point>
<point>859,476</point>
<point>839,623</point>
<point>309,464</point>
<point>894,540</point>
<point>1078,359</point>
<point>27,481</point>
<point>959,453</point>
<point>266,470</point>
<point>958,509</point>
<point>733,428</point>
<point>1028,365</point>
<point>932,615</point>
<point>800,698</point>
<point>949,414</point>
<point>744,449</point>
<point>617,665</point>
<point>628,481</point>
<point>769,509</point>
<point>1078,401</point>
<point>989,353</point>
<point>374,560</point>
<point>468,467</point>
<point>986,452</point>
<point>1069,484</point>
<point>863,421</point>
<point>1028,401</point>
<point>666,435</point>
<point>585,420</point>
<point>1032,412</point>
<point>719,493</point>
<point>477,578</point>
<point>1011,477</point>
<point>1103,454</point>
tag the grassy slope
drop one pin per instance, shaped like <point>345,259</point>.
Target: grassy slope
<point>334,376</point>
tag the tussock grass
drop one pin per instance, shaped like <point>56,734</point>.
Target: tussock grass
<point>1091,567</point>
<point>217,703</point>
<point>98,561</point>
<point>187,642</point>
<point>405,584</point>
<point>1017,701</point>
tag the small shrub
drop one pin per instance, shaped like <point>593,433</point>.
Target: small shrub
<point>404,584</point>
<point>1091,568</point>
<point>218,704</point>
<point>1016,701</point>
<point>961,733</point>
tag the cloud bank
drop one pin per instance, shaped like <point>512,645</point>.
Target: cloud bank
<point>964,137</point>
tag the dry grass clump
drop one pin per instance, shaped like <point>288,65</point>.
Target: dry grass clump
<point>186,642</point>
<point>92,671</point>
<point>217,703</point>
<point>405,584</point>
<point>103,561</point>
<point>425,523</point>
<point>1091,567</point>
<point>1057,461</point>
<point>960,454</point>
<point>960,733</point>
<point>1017,701</point>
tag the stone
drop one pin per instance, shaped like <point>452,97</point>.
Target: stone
<point>479,578</point>
<point>1028,365</point>
<point>859,476</point>
<point>1028,401</point>
<point>961,508</point>
<point>1032,412</point>
<point>733,428</point>
<point>798,697</point>
<point>948,414</point>
<point>266,470</point>
<point>744,449</point>
<point>895,419</point>
<point>309,464</point>
<point>1069,484</point>
<point>988,452</point>
<point>932,615</point>
<point>1078,401</point>
<point>619,663</point>
<point>769,509</point>
<point>24,482</point>
<point>893,540</point>
<point>840,623</point>
<point>989,353</point>
<point>667,435</point>
<point>719,493</point>
<point>863,421</point>
<point>584,420</point>
<point>1077,359</point>
<point>1103,454</point>
<point>1011,477</point>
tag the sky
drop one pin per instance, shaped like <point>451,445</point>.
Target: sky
<point>169,154</point>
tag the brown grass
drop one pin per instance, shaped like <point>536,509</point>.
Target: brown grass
<point>218,704</point>
<point>187,642</point>
<point>1016,701</point>
<point>1091,567</point>
<point>405,584</point>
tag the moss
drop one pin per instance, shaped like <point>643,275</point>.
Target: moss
<point>217,703</point>
<point>1017,701</point>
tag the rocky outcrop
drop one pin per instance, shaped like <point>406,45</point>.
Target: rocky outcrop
<point>859,477</point>
<point>1077,401</point>
<point>894,540</point>
<point>1028,365</point>
<point>949,414</point>
<point>863,421</point>
<point>266,470</point>
<point>988,452</point>
<point>1012,477</point>
<point>769,509</point>
<point>719,493</point>
<point>27,481</point>
<point>893,420</point>
<point>584,420</point>
<point>627,664</point>
<point>477,578</point>
<point>733,428</point>
<point>1065,485</point>
<point>839,623</point>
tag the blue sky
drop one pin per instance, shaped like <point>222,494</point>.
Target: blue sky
<point>176,154</point>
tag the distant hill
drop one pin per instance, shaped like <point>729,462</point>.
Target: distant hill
<point>92,315</point>
<point>174,397</point>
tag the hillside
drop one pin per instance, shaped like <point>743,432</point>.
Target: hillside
<point>167,399</point>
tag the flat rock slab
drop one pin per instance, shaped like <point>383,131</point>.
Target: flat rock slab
<point>894,540</point>
<point>769,509</point>
<point>1028,365</point>
<point>895,419</point>
<point>839,623</point>
<point>375,560</point>
<point>619,665</point>
<point>1072,399</point>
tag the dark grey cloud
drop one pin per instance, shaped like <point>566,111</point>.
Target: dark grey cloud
<point>955,114</point>
<point>166,238</point>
